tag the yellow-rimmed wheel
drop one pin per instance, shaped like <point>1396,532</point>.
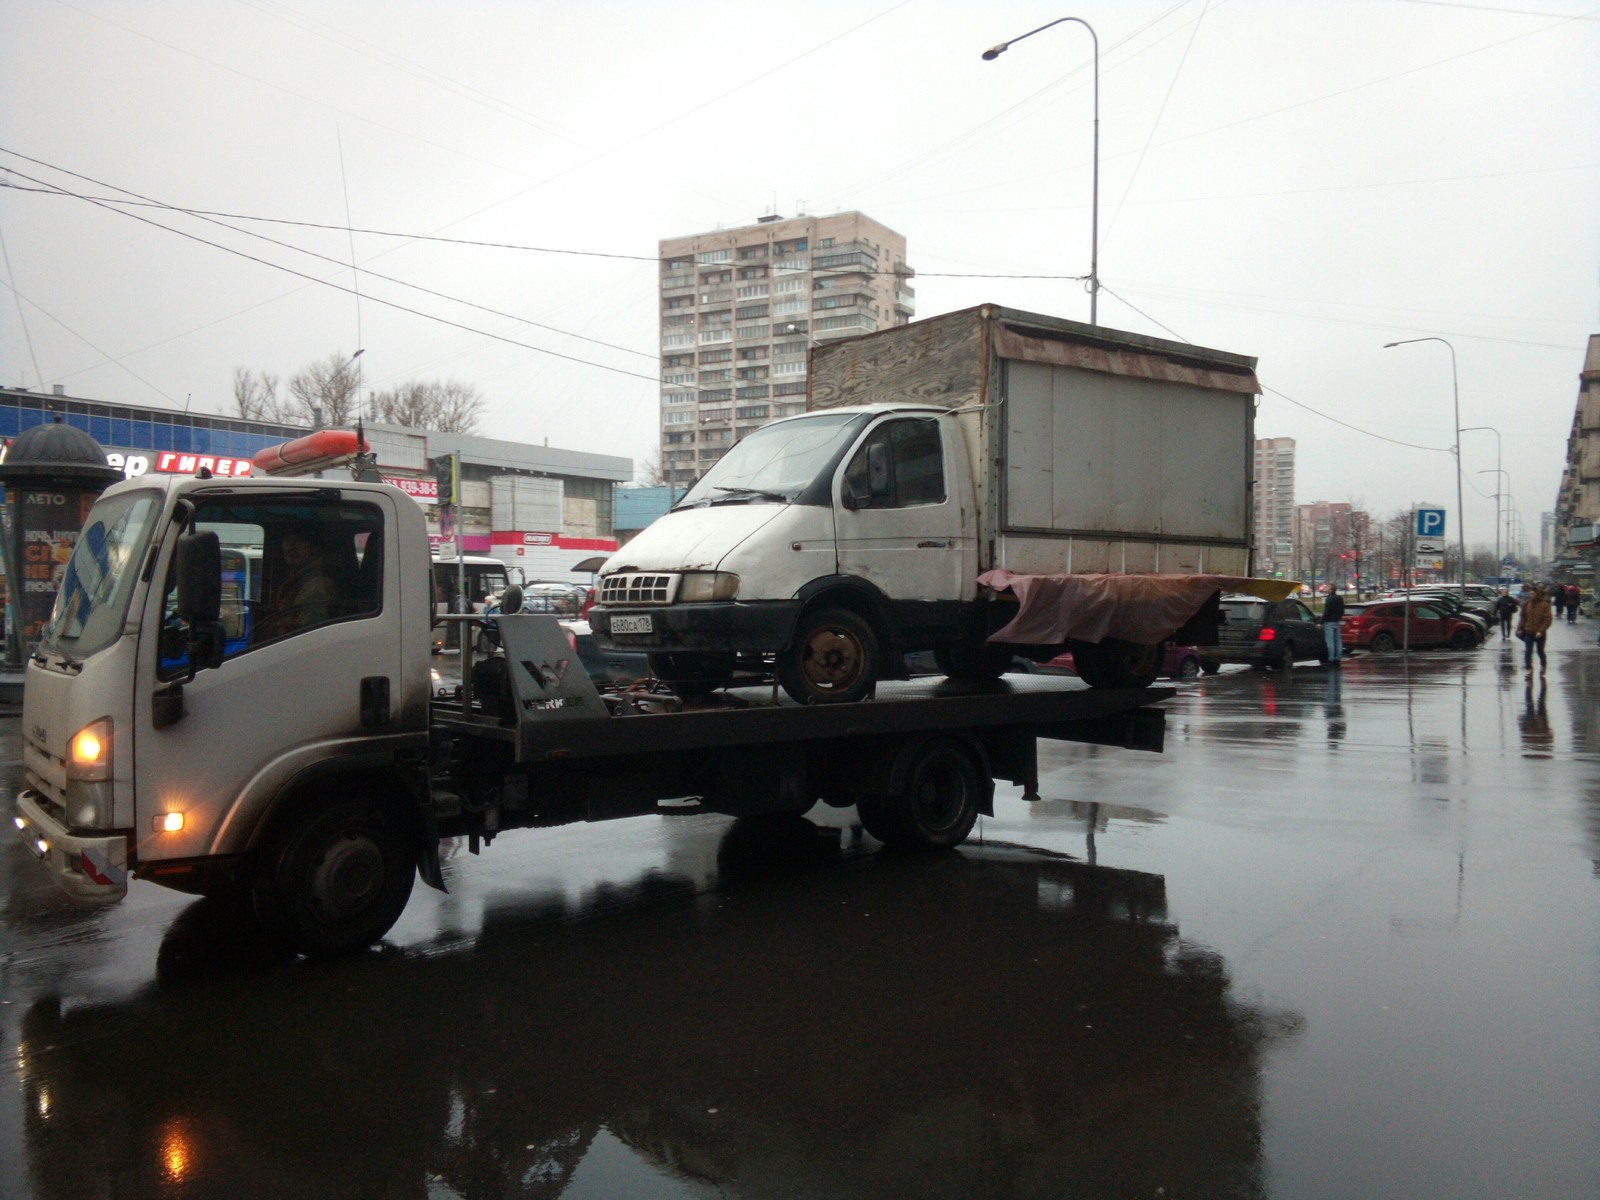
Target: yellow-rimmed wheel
<point>832,659</point>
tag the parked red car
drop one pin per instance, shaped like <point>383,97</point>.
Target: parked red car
<point>1179,662</point>
<point>1380,627</point>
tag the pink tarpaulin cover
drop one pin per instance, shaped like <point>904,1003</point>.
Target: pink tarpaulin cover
<point>1136,608</point>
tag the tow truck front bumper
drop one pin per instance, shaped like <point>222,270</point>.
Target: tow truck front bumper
<point>89,869</point>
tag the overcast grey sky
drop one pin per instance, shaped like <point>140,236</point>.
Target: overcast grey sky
<point>1300,181</point>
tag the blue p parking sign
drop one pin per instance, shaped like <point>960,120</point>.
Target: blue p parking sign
<point>1430,522</point>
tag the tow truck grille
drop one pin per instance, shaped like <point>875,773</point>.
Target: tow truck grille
<point>637,589</point>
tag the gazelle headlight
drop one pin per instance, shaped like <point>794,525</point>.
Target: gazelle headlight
<point>698,587</point>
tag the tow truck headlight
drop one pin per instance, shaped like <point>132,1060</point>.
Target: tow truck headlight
<point>89,751</point>
<point>169,822</point>
<point>698,587</point>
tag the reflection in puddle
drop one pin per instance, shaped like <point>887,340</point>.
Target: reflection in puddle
<point>824,1022</point>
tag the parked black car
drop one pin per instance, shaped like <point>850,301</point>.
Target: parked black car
<point>1264,633</point>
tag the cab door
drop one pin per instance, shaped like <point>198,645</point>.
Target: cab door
<point>898,516</point>
<point>304,683</point>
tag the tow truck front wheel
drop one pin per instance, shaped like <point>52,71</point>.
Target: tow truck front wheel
<point>336,880</point>
<point>833,658</point>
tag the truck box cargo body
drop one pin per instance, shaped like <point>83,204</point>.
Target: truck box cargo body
<point>1093,450</point>
<point>989,439</point>
<point>311,764</point>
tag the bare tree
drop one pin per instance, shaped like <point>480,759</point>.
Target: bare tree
<point>460,406</point>
<point>324,393</point>
<point>256,396</point>
<point>444,405</point>
<point>647,471</point>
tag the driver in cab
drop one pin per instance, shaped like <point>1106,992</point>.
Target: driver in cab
<point>306,595</point>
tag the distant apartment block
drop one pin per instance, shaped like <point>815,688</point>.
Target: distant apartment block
<point>1577,514</point>
<point>1326,537</point>
<point>741,307</point>
<point>1274,507</point>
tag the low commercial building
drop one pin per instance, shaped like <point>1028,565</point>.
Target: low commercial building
<point>539,507</point>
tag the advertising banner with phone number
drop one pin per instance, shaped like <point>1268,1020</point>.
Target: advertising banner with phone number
<point>48,524</point>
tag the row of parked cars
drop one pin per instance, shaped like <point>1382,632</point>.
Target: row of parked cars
<point>1275,634</point>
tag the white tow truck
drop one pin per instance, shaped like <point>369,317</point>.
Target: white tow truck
<point>297,753</point>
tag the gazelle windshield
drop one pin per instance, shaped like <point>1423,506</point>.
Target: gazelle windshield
<point>99,576</point>
<point>778,461</point>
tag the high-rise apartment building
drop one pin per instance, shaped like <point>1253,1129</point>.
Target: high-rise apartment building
<point>1274,506</point>
<point>1577,514</point>
<point>741,307</point>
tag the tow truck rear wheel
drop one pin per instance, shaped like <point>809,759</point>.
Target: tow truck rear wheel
<point>938,806</point>
<point>337,880</point>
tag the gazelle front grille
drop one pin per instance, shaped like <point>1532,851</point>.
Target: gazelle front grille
<point>638,589</point>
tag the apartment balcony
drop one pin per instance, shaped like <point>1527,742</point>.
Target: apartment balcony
<point>712,336</point>
<point>716,295</point>
<point>789,266</point>
<point>851,258</point>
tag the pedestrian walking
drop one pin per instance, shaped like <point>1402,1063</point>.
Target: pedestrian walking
<point>1332,633</point>
<point>1574,598</point>
<point>1533,624</point>
<point>1558,600</point>
<point>1505,608</point>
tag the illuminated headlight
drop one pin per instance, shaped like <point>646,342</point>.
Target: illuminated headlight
<point>697,587</point>
<point>89,751</point>
<point>169,822</point>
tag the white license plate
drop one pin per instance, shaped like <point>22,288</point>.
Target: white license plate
<point>632,624</point>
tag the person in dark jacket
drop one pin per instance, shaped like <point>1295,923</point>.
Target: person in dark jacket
<point>1332,617</point>
<point>1505,608</point>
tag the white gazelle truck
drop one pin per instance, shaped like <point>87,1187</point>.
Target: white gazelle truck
<point>940,466</point>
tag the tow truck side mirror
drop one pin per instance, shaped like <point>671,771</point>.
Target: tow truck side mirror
<point>200,577</point>
<point>200,597</point>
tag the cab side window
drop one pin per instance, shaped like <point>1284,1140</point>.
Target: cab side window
<point>918,463</point>
<point>288,566</point>
<point>915,455</point>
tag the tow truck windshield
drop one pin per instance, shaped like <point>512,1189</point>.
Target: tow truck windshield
<point>99,576</point>
<point>776,462</point>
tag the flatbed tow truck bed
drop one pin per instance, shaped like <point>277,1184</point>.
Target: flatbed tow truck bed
<point>542,747</point>
<point>557,714</point>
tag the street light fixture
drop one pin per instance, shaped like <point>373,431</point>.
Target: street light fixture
<point>994,52</point>
<point>1455,391</point>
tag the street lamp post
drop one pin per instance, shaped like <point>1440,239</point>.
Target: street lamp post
<point>1497,482</point>
<point>1461,507</point>
<point>1502,492</point>
<point>995,52</point>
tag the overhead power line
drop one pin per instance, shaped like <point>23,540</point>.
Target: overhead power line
<point>372,299</point>
<point>1382,437</point>
<point>118,202</point>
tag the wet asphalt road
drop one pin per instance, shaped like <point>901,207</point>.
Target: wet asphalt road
<point>1341,940</point>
